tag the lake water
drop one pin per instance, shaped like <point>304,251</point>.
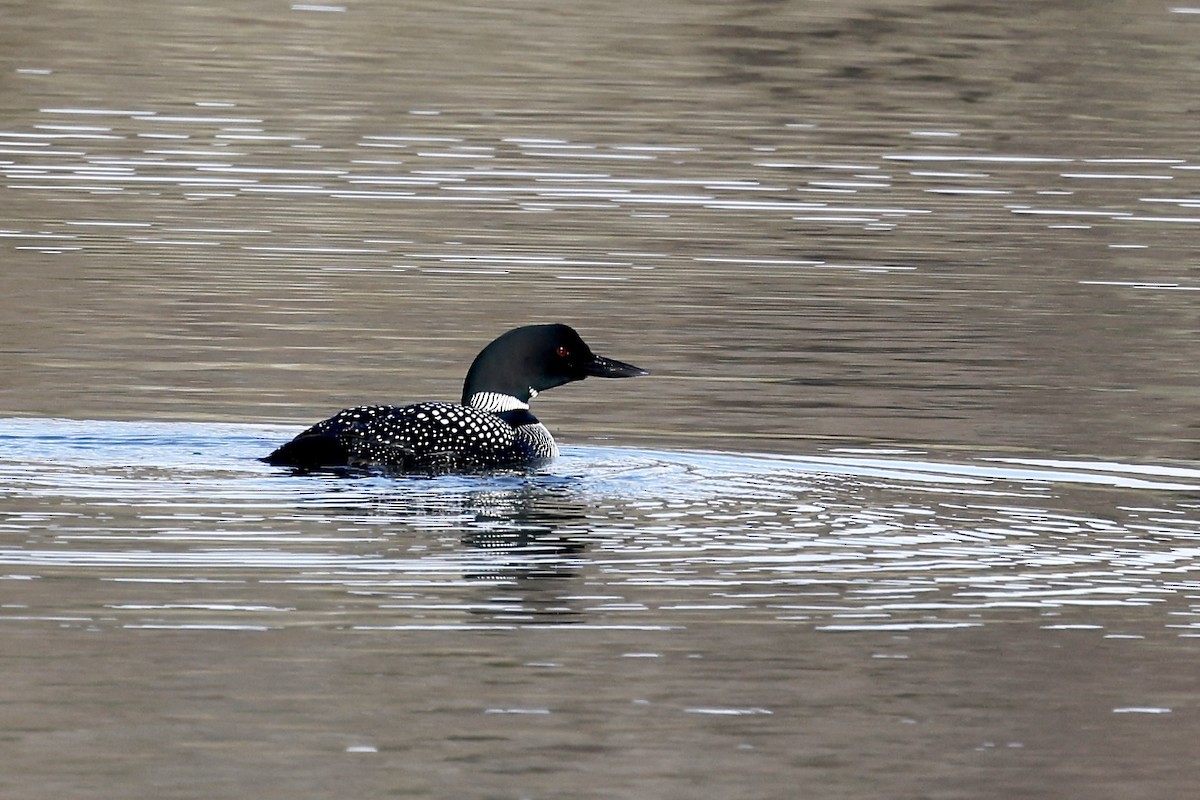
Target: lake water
<point>909,507</point>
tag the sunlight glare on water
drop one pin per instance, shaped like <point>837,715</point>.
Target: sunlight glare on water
<point>839,541</point>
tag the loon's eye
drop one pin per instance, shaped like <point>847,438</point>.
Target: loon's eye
<point>563,352</point>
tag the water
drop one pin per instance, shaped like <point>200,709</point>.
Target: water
<point>909,506</point>
<point>865,541</point>
<point>783,615</point>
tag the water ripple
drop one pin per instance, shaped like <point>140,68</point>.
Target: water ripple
<point>607,536</point>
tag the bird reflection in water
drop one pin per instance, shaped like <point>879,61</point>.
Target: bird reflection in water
<point>532,541</point>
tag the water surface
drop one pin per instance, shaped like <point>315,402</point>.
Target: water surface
<point>780,614</point>
<point>908,507</point>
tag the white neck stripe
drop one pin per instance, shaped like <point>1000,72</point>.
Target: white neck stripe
<point>496,402</point>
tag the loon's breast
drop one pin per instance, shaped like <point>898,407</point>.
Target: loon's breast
<point>433,437</point>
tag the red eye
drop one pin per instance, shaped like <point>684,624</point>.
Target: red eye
<point>563,352</point>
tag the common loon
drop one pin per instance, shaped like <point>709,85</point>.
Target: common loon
<point>491,429</point>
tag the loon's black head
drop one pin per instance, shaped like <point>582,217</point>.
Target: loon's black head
<point>529,360</point>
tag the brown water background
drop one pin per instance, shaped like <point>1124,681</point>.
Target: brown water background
<point>887,243</point>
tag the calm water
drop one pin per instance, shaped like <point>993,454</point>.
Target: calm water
<point>910,506</point>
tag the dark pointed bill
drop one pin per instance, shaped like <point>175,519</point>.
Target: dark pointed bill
<point>602,367</point>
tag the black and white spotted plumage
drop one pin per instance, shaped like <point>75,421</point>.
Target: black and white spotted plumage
<point>491,429</point>
<point>425,437</point>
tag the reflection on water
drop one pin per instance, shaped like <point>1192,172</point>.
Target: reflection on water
<point>191,613</point>
<point>839,541</point>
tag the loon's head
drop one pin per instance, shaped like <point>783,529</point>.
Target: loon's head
<point>529,360</point>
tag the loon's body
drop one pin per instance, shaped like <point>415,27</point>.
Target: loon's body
<point>491,429</point>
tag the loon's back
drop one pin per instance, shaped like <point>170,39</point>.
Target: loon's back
<point>425,437</point>
<point>491,429</point>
